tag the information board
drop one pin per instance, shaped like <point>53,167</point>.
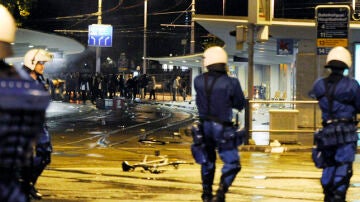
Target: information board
<point>356,10</point>
<point>332,23</point>
<point>100,35</point>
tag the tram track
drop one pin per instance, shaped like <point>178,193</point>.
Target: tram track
<point>145,132</point>
<point>96,134</point>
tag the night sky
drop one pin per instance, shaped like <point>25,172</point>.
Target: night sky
<point>127,20</point>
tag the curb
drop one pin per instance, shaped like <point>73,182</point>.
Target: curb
<point>269,149</point>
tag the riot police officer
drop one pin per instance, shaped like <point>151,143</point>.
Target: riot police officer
<point>339,101</point>
<point>216,95</point>
<point>34,61</point>
<point>22,113</point>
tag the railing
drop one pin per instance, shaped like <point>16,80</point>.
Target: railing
<point>255,106</point>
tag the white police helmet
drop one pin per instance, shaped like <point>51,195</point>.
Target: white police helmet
<point>33,56</point>
<point>338,57</point>
<point>215,55</point>
<point>7,32</point>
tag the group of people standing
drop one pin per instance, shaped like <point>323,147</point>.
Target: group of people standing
<point>86,86</point>
<point>98,86</point>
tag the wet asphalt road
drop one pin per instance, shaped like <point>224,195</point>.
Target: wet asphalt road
<point>90,148</point>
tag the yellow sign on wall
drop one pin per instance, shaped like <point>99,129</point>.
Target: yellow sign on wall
<point>321,42</point>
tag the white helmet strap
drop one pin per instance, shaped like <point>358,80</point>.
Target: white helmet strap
<point>33,60</point>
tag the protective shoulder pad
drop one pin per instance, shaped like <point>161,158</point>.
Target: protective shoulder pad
<point>22,94</point>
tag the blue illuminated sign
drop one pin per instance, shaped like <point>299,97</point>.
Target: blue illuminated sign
<point>100,35</point>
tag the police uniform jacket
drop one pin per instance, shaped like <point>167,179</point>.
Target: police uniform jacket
<point>346,98</point>
<point>225,95</point>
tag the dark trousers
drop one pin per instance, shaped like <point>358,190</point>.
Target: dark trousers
<point>152,94</point>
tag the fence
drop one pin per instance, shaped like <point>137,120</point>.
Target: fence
<point>164,85</point>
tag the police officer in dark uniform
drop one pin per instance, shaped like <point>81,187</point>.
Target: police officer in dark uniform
<point>339,101</point>
<point>23,105</point>
<point>216,95</point>
<point>34,61</point>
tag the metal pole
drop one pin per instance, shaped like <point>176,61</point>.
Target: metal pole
<point>98,49</point>
<point>145,36</point>
<point>224,5</point>
<point>251,44</point>
<point>247,122</point>
<point>192,40</point>
<point>314,105</point>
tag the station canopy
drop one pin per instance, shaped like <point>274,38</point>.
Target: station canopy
<point>28,39</point>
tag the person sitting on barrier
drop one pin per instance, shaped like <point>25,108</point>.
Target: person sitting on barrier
<point>216,95</point>
<point>339,101</point>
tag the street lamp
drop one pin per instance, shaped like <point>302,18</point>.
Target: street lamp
<point>145,36</point>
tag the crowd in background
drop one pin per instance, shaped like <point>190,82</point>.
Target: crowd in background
<point>81,87</point>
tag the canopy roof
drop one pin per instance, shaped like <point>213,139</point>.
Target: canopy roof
<point>27,39</point>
